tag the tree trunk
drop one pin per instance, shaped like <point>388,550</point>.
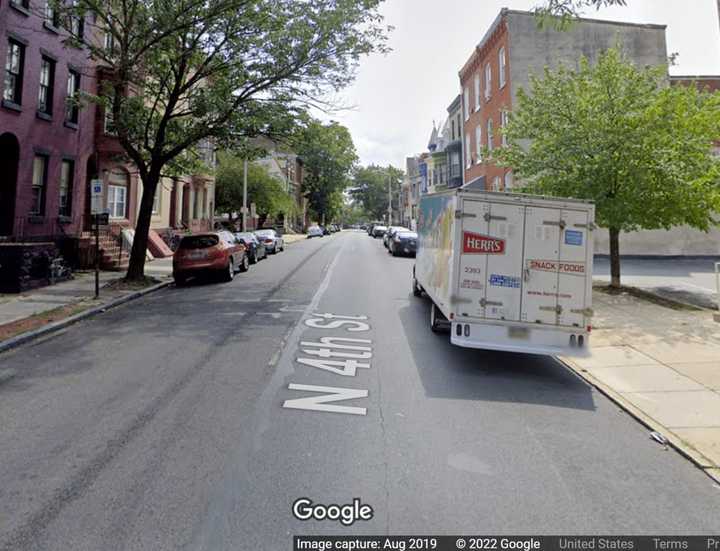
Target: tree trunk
<point>614,257</point>
<point>136,269</point>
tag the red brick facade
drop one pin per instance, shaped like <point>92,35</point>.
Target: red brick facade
<point>494,97</point>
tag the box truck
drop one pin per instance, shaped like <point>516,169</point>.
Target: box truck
<point>507,271</point>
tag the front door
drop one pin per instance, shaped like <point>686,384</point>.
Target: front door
<point>9,157</point>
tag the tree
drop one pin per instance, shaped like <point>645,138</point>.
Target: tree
<point>328,155</point>
<point>266,191</point>
<point>620,136</point>
<point>182,73</point>
<point>370,188</point>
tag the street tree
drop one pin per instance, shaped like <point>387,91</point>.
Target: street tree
<point>370,188</point>
<point>620,136</point>
<point>179,75</point>
<point>265,190</point>
<point>328,155</point>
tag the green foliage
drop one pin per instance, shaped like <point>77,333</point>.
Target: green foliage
<point>620,136</point>
<point>328,155</point>
<point>370,188</point>
<point>267,192</point>
<point>560,13</point>
<point>177,73</point>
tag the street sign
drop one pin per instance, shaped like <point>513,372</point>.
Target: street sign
<point>96,195</point>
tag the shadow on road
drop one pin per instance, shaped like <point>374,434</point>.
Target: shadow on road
<point>449,371</point>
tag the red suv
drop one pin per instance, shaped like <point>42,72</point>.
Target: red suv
<point>215,252</point>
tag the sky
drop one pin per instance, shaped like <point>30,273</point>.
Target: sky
<point>396,97</point>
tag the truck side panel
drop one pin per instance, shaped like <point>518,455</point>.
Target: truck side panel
<point>433,261</point>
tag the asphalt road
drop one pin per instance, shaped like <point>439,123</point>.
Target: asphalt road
<point>175,422</point>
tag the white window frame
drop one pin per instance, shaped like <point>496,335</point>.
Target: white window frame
<point>65,189</point>
<point>503,124</point>
<point>488,81</point>
<point>113,200</point>
<point>466,103</point>
<point>477,91</point>
<point>502,63</point>
<point>41,164</point>
<point>478,142</point>
<point>490,143</point>
<point>468,151</point>
<point>508,180</point>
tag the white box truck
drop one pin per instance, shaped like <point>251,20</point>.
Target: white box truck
<point>507,271</point>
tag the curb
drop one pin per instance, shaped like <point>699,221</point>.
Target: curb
<point>23,338</point>
<point>679,445</point>
<point>671,300</point>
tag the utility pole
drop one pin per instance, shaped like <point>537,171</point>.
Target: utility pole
<point>245,205</point>
<point>389,203</point>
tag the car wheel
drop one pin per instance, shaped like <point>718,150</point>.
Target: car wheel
<point>229,272</point>
<point>394,252</point>
<point>253,258</point>
<point>180,280</point>
<point>245,264</point>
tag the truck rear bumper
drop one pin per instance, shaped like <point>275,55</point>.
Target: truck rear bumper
<point>522,339</point>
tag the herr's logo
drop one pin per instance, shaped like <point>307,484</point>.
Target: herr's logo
<point>476,243</point>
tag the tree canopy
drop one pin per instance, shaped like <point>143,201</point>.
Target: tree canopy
<point>621,136</point>
<point>328,155</point>
<point>370,188</point>
<point>266,191</point>
<point>180,73</point>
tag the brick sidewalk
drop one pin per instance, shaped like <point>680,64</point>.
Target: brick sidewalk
<point>662,365</point>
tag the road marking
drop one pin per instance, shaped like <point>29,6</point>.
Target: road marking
<point>333,394</point>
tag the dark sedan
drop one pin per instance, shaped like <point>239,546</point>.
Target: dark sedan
<point>255,250</point>
<point>404,243</point>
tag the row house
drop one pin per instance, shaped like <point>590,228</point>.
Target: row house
<point>53,144</point>
<point>515,47</point>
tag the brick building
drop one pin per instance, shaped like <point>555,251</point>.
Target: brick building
<point>514,48</point>
<point>46,141</point>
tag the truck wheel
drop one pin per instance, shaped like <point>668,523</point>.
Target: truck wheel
<point>438,323</point>
<point>416,288</point>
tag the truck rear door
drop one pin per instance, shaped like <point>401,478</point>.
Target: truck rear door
<point>541,253</point>
<point>490,268</point>
<point>572,269</point>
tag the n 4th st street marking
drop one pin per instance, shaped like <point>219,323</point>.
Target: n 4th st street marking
<point>338,355</point>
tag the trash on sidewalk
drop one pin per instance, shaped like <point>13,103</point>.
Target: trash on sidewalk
<point>659,438</point>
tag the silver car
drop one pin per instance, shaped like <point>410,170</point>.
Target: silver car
<point>272,240</point>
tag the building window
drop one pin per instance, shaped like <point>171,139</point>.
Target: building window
<point>454,164</point>
<point>468,151</point>
<point>502,64</point>
<point>466,103</point>
<point>20,4</point>
<point>47,85</point>
<point>497,184</point>
<point>490,134</point>
<point>39,180</point>
<point>503,124</point>
<point>478,142</point>
<point>452,126</point>
<point>14,64</point>
<point>72,100</point>
<point>109,120</point>
<point>477,91</point>
<point>67,172</point>
<point>52,17</point>
<point>77,23</point>
<point>117,194</point>
<point>488,81</point>
<point>508,180</point>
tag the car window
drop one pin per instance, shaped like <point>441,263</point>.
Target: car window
<point>198,241</point>
<point>407,234</point>
<point>265,233</point>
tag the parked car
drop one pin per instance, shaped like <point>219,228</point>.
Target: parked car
<point>213,252</point>
<point>271,239</point>
<point>314,231</point>
<point>325,229</point>
<point>255,250</point>
<point>403,243</point>
<point>378,231</point>
<point>390,233</point>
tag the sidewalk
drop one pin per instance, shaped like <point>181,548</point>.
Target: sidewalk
<point>662,365</point>
<point>28,311</point>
